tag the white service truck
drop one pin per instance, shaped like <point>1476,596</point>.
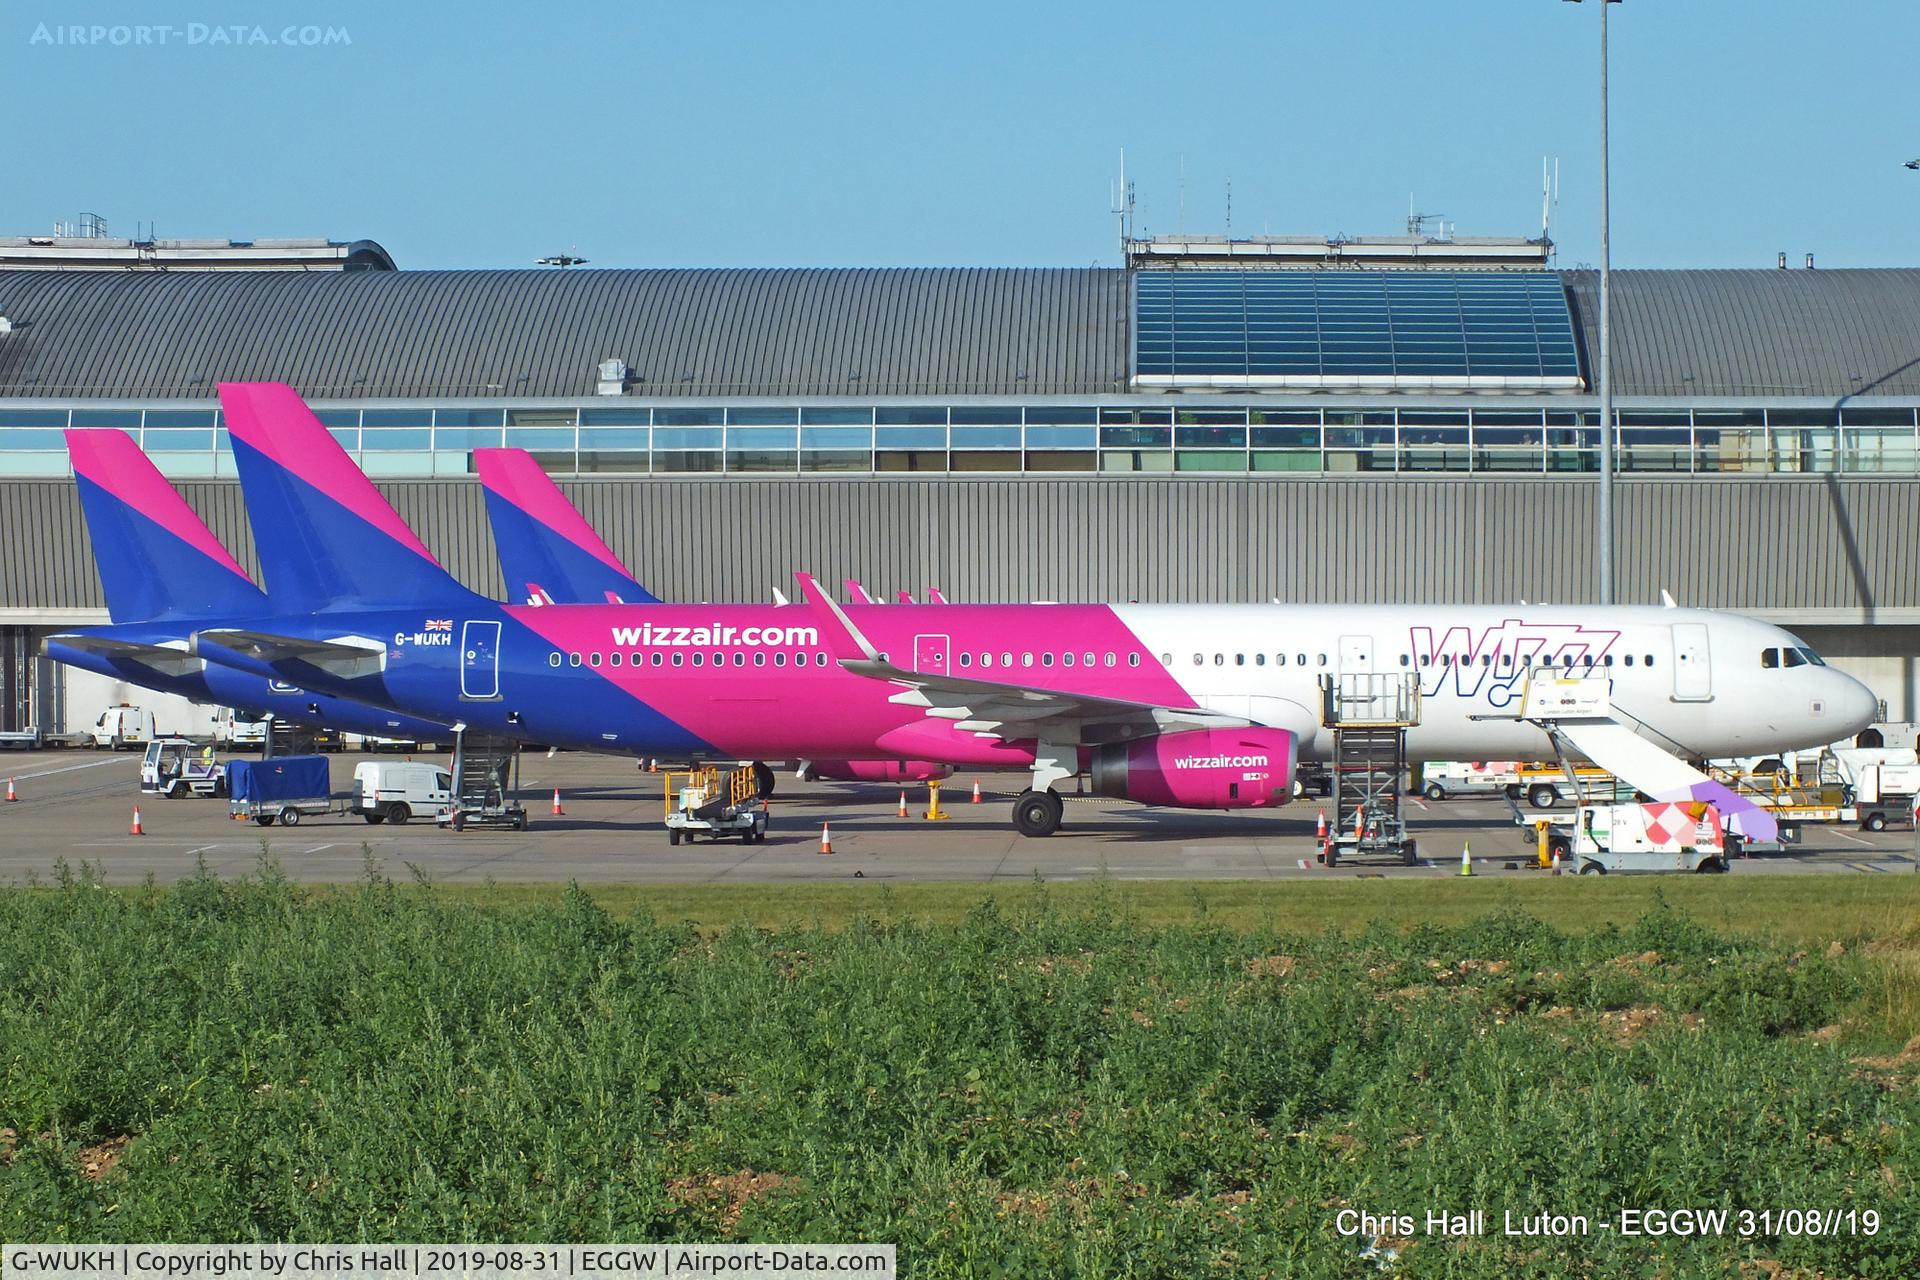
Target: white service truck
<point>395,790</point>
<point>122,728</point>
<point>1884,795</point>
<point>1661,836</point>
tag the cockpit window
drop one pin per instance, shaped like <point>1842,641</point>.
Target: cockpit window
<point>1793,657</point>
<point>1812,658</point>
<point>1769,658</point>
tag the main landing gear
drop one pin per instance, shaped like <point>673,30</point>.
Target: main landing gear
<point>1037,813</point>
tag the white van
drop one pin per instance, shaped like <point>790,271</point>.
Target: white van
<point>122,728</point>
<point>395,790</point>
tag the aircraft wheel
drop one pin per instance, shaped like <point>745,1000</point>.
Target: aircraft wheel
<point>763,778</point>
<point>520,820</point>
<point>398,812</point>
<point>1037,813</point>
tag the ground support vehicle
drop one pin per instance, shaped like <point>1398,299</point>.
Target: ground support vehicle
<point>716,805</point>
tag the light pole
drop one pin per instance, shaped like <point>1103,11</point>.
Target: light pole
<point>1604,531</point>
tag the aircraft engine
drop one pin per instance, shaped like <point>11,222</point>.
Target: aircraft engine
<point>1200,769</point>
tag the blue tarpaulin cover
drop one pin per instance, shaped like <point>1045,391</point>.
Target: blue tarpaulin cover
<point>283,778</point>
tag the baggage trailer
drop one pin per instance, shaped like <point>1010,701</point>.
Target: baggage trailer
<point>715,805</point>
<point>280,789</point>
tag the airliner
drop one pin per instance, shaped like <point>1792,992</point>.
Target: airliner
<point>1187,706</point>
<point>163,573</point>
<point>550,554</point>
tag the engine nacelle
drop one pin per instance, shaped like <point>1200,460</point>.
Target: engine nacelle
<point>876,770</point>
<point>1200,769</point>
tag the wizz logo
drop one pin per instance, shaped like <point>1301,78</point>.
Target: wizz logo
<point>1493,663</point>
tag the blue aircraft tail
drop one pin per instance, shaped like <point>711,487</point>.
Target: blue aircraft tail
<point>548,551</point>
<point>325,536</point>
<point>156,558</point>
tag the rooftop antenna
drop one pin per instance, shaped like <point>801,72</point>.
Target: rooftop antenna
<point>1120,204</point>
<point>1417,222</point>
<point>1549,195</point>
<point>1229,208</point>
<point>1183,196</point>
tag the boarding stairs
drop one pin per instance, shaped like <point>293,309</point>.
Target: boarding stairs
<point>288,738</point>
<point>486,775</point>
<point>1369,714</point>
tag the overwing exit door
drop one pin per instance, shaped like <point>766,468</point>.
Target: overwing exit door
<point>930,654</point>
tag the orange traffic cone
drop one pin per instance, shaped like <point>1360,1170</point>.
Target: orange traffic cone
<point>826,839</point>
<point>556,801</point>
<point>136,823</point>
<point>903,804</point>
<point>976,791</point>
<point>1360,821</point>
<point>1320,828</point>
<point>11,797</point>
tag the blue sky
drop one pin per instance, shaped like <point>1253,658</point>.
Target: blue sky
<point>733,134</point>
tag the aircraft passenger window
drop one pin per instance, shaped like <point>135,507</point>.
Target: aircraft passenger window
<point>719,659</point>
<point>615,657</point>
<point>553,659</point>
<point>779,659</point>
<point>1769,658</point>
<point>1199,659</point>
<point>1566,659</point>
<point>1219,659</point>
<point>1323,660</point>
<point>1406,660</point>
<point>1608,660</point>
<point>1629,659</point>
<point>1649,661</point>
<point>740,659</point>
<point>1259,659</point>
<point>1046,659</point>
<point>1301,658</point>
<point>759,659</point>
<point>986,658</point>
<point>1133,659</point>
<point>1426,659</point>
<point>1239,659</point>
<point>1066,659</point>
<point>1006,659</point>
<point>1088,659</point>
<point>593,659</point>
<point>1166,659</point>
<point>679,658</point>
<point>1279,659</point>
<point>1486,659</point>
<point>1586,659</point>
<point>1110,658</point>
<point>966,659</point>
<point>656,659</point>
<point>699,659</point>
<point>573,659</point>
<point>819,659</point>
<point>1026,659</point>
<point>1446,659</point>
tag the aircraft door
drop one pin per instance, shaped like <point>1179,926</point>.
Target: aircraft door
<point>480,660</point>
<point>931,653</point>
<point>1356,655</point>
<point>1692,667</point>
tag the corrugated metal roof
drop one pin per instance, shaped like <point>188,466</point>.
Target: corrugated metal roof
<point>1757,333</point>
<point>542,333</point>
<point>867,333</point>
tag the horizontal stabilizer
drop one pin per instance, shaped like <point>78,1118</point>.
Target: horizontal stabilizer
<point>166,660</point>
<point>345,657</point>
<point>1646,768</point>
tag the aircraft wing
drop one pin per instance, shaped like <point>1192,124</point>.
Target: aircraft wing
<point>345,657</point>
<point>164,659</point>
<point>1002,709</point>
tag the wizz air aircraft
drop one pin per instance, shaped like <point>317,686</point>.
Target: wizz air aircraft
<point>164,573</point>
<point>1189,706</point>
<point>550,554</point>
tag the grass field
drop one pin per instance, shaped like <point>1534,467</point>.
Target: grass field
<point>1080,1080</point>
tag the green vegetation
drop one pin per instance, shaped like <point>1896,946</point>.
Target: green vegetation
<point>1056,1082</point>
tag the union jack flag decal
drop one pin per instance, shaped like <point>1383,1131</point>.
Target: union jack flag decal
<point>439,624</point>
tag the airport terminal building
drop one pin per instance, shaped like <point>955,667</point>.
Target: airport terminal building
<point>1400,419</point>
